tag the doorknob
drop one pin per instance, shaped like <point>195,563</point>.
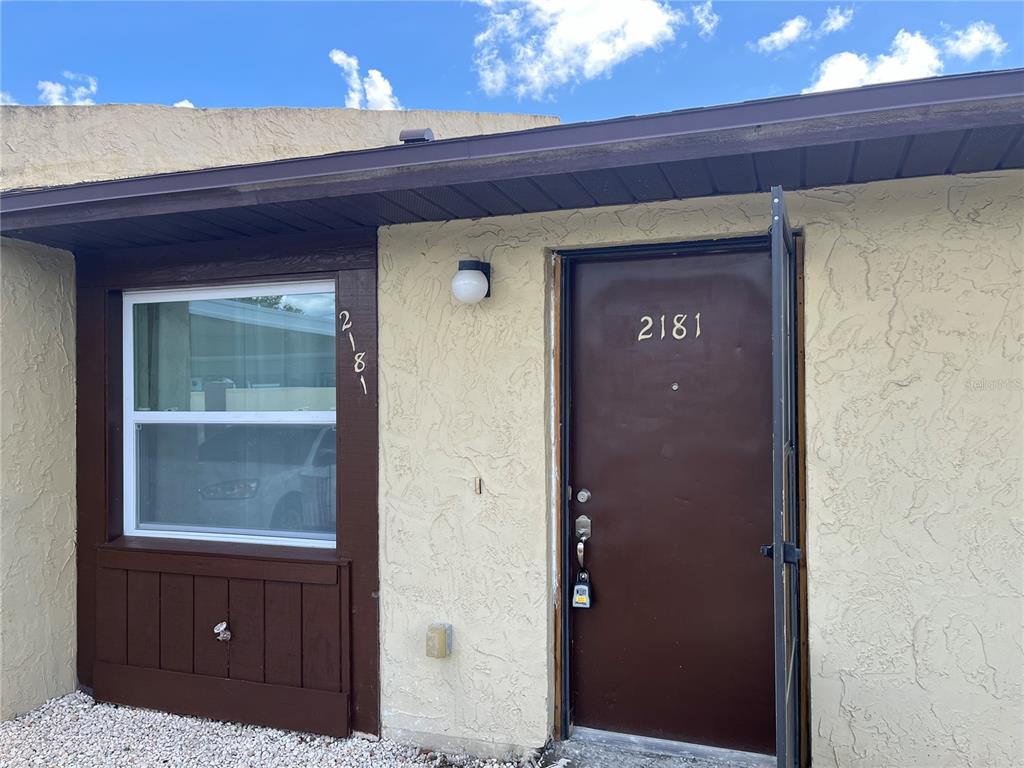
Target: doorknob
<point>581,592</point>
<point>583,496</point>
<point>583,530</point>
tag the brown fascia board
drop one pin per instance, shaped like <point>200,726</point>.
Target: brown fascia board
<point>916,107</point>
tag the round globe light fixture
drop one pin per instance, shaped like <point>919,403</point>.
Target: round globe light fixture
<point>472,282</point>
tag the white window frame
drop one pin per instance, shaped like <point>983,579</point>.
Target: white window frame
<point>133,418</point>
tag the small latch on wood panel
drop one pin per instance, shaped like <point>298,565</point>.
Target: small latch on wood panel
<point>221,631</point>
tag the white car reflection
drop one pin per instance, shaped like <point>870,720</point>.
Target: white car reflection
<point>268,479</point>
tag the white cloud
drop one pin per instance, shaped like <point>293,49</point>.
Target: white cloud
<point>6,98</point>
<point>791,31</point>
<point>534,46</point>
<point>184,103</point>
<point>799,28</point>
<point>350,69</point>
<point>379,94</point>
<point>491,69</point>
<point>705,18</point>
<point>81,94</point>
<point>54,94</point>
<point>60,94</point>
<point>371,92</point>
<point>976,39</point>
<point>835,19</point>
<point>910,56</point>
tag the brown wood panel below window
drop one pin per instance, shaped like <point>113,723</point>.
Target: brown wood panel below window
<point>177,613</point>
<point>211,608</point>
<point>283,640</point>
<point>278,706</point>
<point>284,636</point>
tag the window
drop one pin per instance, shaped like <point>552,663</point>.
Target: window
<point>229,422</point>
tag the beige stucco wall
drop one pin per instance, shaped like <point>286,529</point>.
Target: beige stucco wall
<point>48,146</point>
<point>914,446</point>
<point>37,475</point>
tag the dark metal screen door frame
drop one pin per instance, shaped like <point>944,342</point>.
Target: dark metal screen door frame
<point>783,550</point>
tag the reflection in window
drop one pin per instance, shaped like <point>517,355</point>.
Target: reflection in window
<point>245,478</point>
<point>230,414</point>
<point>248,353</point>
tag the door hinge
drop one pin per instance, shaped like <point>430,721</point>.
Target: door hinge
<point>790,552</point>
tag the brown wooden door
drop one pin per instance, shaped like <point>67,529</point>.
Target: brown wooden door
<point>670,430</point>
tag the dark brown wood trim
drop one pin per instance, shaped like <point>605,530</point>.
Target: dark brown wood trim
<point>225,565</point>
<point>91,440</point>
<point>345,596</point>
<point>218,698</point>
<point>559,501</point>
<point>115,417</point>
<point>357,481</point>
<point>273,257</point>
<point>350,260</point>
<point>226,549</point>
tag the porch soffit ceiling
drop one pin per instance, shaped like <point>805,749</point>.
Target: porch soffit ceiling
<point>956,124</point>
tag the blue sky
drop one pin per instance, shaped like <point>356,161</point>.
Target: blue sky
<point>579,59</point>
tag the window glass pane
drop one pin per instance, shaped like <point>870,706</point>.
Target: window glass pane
<point>259,479</point>
<point>257,353</point>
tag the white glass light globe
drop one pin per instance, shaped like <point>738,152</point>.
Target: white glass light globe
<point>469,285</point>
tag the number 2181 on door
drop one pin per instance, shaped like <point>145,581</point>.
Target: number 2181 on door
<point>678,327</point>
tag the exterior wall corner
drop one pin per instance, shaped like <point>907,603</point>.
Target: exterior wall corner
<point>37,475</point>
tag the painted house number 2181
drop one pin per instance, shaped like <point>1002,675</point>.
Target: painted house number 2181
<point>358,357</point>
<point>676,326</point>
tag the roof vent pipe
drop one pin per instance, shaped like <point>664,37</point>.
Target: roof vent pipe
<point>416,135</point>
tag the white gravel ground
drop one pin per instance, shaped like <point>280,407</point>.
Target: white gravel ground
<point>75,732</point>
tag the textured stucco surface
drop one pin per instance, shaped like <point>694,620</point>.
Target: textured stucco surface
<point>915,361</point>
<point>37,475</point>
<point>48,146</point>
<point>915,432</point>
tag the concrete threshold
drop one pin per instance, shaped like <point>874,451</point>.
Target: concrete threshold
<point>589,748</point>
